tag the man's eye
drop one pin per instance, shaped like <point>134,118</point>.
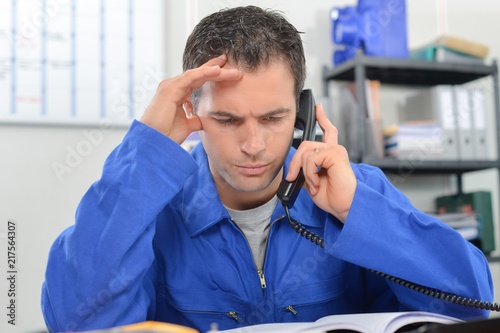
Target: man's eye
<point>273,119</point>
<point>224,121</point>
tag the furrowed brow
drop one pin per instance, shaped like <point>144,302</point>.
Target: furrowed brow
<point>222,114</point>
<point>276,112</point>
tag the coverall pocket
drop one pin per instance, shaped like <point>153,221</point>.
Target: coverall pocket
<point>310,302</point>
<point>200,308</point>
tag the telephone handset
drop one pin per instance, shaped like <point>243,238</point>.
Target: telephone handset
<point>305,121</point>
<point>288,191</point>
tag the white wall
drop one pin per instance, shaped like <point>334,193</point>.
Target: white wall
<point>42,205</point>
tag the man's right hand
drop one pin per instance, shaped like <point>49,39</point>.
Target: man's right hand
<point>166,114</point>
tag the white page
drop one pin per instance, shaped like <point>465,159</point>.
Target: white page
<point>365,323</point>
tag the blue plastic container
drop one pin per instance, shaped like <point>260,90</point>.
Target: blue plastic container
<point>375,27</point>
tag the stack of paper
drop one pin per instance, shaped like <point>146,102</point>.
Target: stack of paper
<point>467,224</point>
<point>459,111</point>
<point>423,140</point>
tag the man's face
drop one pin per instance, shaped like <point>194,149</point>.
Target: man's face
<point>247,131</point>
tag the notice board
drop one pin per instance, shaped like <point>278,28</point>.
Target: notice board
<point>78,61</point>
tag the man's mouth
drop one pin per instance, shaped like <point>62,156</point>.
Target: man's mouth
<point>253,169</point>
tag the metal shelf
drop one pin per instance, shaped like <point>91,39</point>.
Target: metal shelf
<point>417,166</point>
<point>409,72</point>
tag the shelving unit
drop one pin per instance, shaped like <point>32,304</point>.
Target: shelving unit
<point>416,73</point>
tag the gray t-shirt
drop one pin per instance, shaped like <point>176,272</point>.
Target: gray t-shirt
<point>255,224</point>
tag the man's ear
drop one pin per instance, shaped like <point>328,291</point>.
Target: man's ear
<point>188,107</point>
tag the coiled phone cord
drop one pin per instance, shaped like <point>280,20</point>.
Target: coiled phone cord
<point>431,292</point>
<point>299,228</point>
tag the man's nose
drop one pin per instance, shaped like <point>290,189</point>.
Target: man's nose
<point>253,140</point>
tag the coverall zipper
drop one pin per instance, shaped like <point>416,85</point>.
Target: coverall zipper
<point>262,278</point>
<point>231,314</point>
<point>260,272</point>
<point>291,309</point>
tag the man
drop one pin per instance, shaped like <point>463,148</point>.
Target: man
<point>200,238</point>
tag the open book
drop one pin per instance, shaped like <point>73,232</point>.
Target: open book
<point>387,322</point>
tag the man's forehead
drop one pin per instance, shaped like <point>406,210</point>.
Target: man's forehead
<point>247,68</point>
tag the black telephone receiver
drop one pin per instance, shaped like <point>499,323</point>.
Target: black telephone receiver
<point>305,121</point>
<point>288,191</point>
